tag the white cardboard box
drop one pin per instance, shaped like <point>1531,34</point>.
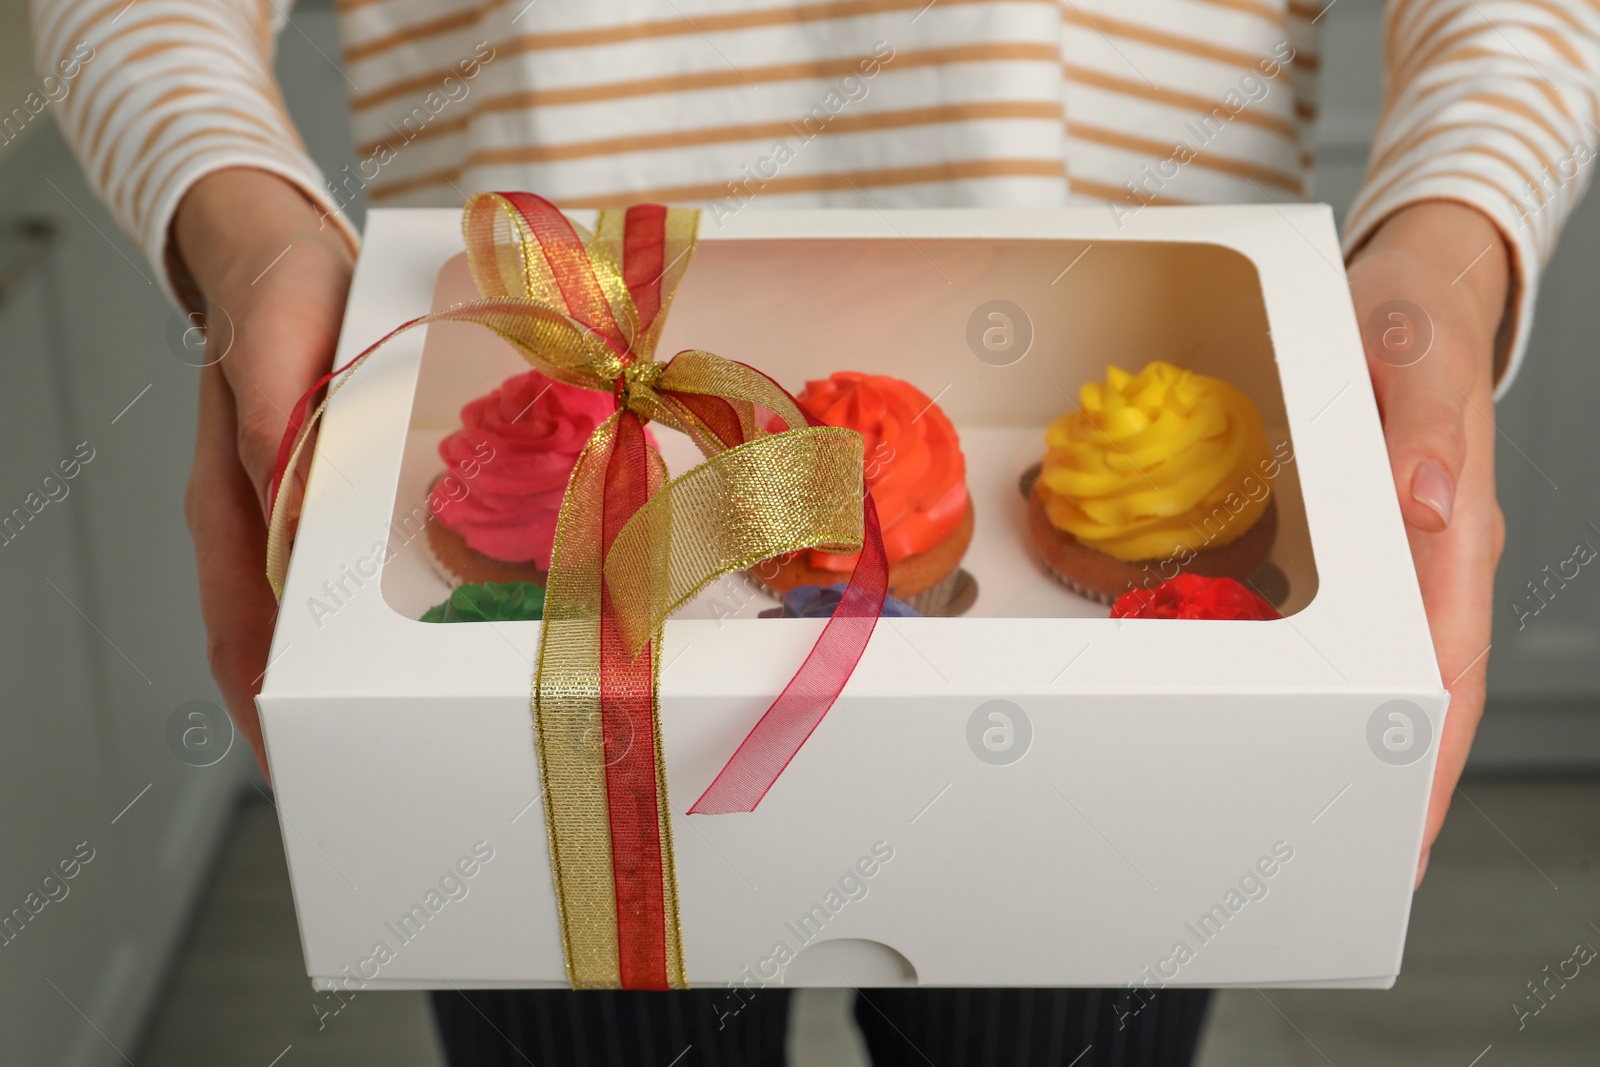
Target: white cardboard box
<point>1163,764</point>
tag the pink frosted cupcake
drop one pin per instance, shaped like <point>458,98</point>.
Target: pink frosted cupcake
<point>506,471</point>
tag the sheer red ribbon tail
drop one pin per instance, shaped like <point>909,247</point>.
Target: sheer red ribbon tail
<point>627,721</point>
<point>747,776</point>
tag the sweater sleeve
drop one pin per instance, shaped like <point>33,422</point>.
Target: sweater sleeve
<point>160,93</point>
<point>1494,104</point>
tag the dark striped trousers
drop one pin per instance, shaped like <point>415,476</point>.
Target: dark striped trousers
<point>903,1028</point>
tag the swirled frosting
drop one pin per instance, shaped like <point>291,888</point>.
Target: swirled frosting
<point>914,465</point>
<point>490,602</point>
<point>1148,459</point>
<point>508,465</point>
<point>1194,596</point>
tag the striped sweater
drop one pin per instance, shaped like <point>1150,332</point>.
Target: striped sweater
<point>904,103</point>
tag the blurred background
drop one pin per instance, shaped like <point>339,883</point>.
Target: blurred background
<point>175,942</point>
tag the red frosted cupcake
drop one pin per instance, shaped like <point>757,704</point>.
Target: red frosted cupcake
<point>918,478</point>
<point>495,507</point>
<point>1194,596</point>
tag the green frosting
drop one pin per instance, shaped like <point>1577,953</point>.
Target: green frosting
<point>490,602</point>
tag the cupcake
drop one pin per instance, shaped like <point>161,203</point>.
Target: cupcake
<point>1154,473</point>
<point>820,602</point>
<point>490,602</point>
<point>918,478</point>
<point>1193,596</point>
<point>495,507</point>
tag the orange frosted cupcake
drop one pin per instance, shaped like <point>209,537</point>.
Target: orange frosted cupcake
<point>1155,473</point>
<point>918,478</point>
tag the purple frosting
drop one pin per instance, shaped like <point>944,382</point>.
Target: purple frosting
<point>820,602</point>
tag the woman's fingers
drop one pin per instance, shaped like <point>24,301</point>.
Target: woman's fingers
<point>286,328</point>
<point>275,276</point>
<point>1425,408</point>
<point>1430,291</point>
<point>230,549</point>
<point>1455,569</point>
<point>275,280</point>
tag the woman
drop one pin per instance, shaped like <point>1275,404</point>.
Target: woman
<point>1024,103</point>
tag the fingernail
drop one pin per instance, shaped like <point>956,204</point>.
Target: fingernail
<point>1431,486</point>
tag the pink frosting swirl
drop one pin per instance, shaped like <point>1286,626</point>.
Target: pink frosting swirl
<point>507,467</point>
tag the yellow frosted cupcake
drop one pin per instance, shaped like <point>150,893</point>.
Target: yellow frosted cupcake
<point>1156,473</point>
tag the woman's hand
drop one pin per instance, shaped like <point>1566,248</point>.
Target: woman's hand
<point>1450,262</point>
<point>275,275</point>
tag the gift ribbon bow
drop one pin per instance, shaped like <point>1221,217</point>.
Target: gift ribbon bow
<point>631,547</point>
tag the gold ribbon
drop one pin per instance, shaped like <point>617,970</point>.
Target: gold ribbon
<point>559,295</point>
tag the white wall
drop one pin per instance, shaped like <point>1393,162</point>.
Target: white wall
<point>16,58</point>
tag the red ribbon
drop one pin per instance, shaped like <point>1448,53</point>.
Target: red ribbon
<point>627,698</point>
